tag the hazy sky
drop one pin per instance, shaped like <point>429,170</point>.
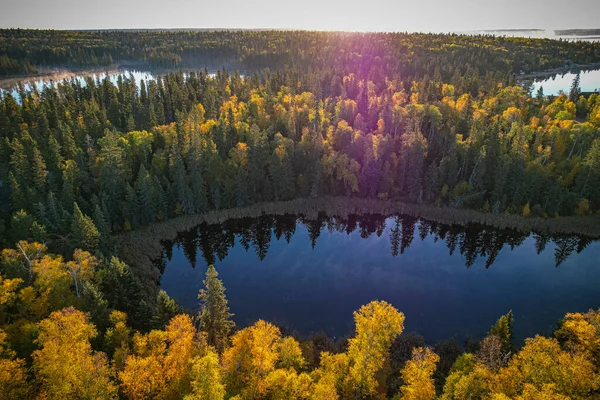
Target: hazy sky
<point>354,15</point>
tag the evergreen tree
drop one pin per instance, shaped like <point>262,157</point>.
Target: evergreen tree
<point>145,197</point>
<point>100,222</point>
<point>166,310</point>
<point>85,233</point>
<point>503,328</point>
<point>215,318</point>
<point>124,292</point>
<point>575,91</point>
<point>540,93</point>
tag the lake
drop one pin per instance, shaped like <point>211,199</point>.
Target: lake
<point>531,33</point>
<point>40,83</point>
<point>309,275</point>
<point>590,81</point>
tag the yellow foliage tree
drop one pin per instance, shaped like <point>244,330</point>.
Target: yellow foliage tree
<point>65,366</point>
<point>206,378</point>
<point>290,354</point>
<point>161,365</point>
<point>13,373</point>
<point>377,324</point>
<point>21,260</point>
<point>81,268</point>
<point>181,351</point>
<point>143,378</point>
<point>468,380</point>
<point>417,372</point>
<point>583,207</point>
<point>251,358</point>
<point>332,372</point>
<point>541,362</point>
<point>117,338</point>
<point>580,333</point>
<point>284,384</point>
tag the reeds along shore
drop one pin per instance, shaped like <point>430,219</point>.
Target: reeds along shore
<point>141,247</point>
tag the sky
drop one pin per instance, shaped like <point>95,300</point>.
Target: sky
<point>347,15</point>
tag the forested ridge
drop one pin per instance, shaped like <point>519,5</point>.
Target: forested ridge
<point>24,51</point>
<point>437,120</point>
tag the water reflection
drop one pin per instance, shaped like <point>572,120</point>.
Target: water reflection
<point>590,82</point>
<point>472,240</point>
<point>310,273</point>
<point>19,89</point>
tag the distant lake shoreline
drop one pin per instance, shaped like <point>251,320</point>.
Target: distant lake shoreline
<point>553,80</point>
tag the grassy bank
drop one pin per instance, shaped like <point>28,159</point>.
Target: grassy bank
<point>140,247</point>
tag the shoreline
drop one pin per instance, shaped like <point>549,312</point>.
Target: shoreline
<point>56,74</point>
<point>559,71</point>
<point>141,247</point>
<point>62,73</point>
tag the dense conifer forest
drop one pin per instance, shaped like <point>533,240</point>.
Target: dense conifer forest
<point>25,51</point>
<point>431,120</point>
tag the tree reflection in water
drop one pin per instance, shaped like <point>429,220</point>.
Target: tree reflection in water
<point>471,240</point>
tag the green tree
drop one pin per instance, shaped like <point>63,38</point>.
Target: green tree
<point>85,234</point>
<point>166,310</point>
<point>575,91</point>
<point>503,328</point>
<point>215,318</point>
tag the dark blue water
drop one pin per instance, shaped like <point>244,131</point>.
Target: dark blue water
<point>450,281</point>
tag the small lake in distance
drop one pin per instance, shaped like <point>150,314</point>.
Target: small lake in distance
<point>450,281</point>
<point>41,83</point>
<point>590,81</point>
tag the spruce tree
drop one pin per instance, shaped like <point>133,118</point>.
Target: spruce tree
<point>503,328</point>
<point>575,88</point>
<point>215,318</point>
<point>85,233</point>
<point>166,310</point>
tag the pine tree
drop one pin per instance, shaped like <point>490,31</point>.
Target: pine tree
<point>100,221</point>
<point>166,309</point>
<point>198,191</point>
<point>503,328</point>
<point>215,318</point>
<point>85,233</point>
<point>540,93</point>
<point>143,189</point>
<point>575,88</point>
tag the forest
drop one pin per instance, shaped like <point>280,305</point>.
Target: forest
<point>122,157</point>
<point>432,120</point>
<point>25,52</point>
